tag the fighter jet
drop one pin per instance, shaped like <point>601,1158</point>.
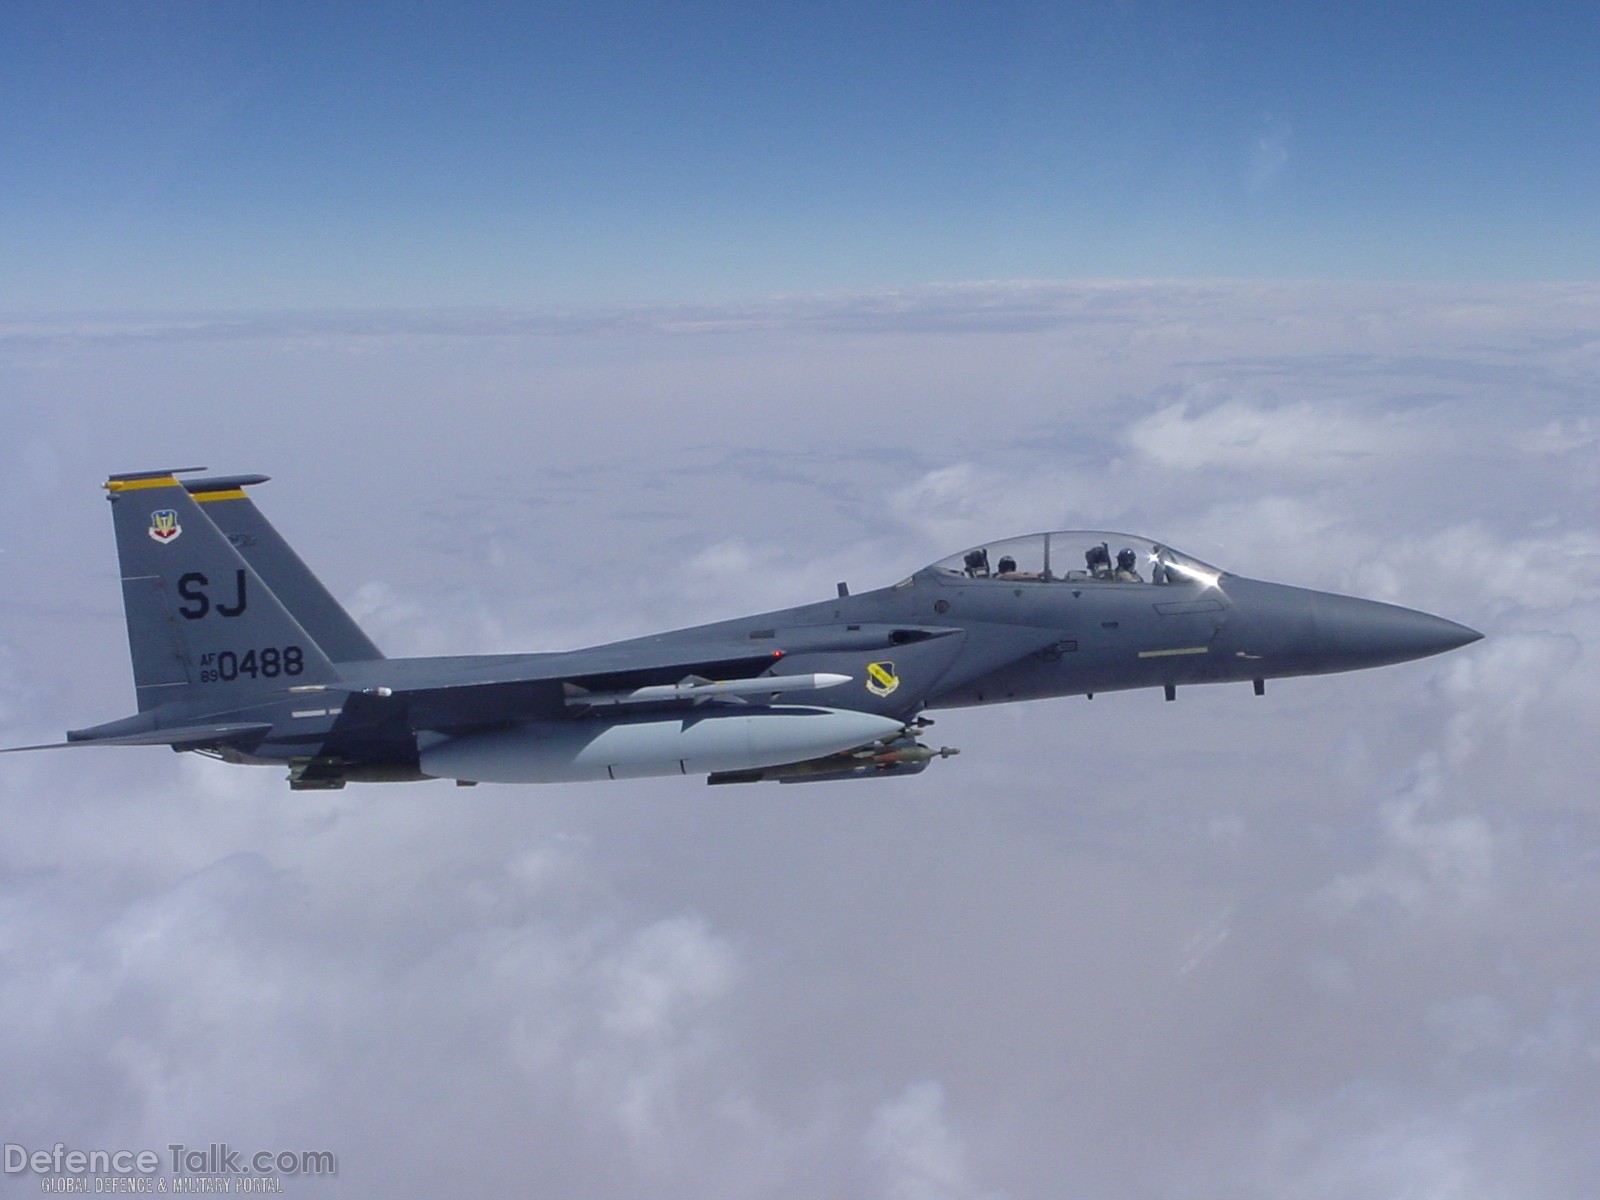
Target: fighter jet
<point>241,654</point>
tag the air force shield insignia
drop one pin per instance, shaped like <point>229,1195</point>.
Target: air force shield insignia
<point>164,525</point>
<point>881,679</point>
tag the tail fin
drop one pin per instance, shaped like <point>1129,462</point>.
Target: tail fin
<point>281,569</point>
<point>200,619</point>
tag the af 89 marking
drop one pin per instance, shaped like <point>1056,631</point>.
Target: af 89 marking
<point>225,666</point>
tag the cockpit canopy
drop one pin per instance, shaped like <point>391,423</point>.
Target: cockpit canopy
<point>1076,556</point>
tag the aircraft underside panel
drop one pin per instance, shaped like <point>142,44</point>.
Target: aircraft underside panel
<point>679,744</point>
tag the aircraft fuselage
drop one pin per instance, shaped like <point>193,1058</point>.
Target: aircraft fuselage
<point>239,652</point>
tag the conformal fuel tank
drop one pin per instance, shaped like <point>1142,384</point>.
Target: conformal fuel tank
<point>694,743</point>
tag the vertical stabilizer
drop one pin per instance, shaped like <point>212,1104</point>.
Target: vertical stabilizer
<point>231,510</point>
<point>202,623</point>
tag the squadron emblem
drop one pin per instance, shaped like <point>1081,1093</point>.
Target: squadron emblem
<point>164,525</point>
<point>881,679</point>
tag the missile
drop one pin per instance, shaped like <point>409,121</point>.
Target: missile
<point>635,747</point>
<point>698,690</point>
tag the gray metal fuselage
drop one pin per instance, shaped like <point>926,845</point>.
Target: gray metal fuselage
<point>239,651</point>
<point>948,643</point>
<point>958,643</point>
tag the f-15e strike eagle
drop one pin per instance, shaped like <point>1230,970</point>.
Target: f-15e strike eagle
<point>240,653</point>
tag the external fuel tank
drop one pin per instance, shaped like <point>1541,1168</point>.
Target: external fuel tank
<point>695,743</point>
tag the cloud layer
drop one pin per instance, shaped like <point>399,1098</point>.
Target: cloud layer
<point>1337,942</point>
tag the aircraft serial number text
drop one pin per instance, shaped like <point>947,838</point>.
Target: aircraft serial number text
<point>227,665</point>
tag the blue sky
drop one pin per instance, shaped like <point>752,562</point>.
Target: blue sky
<point>191,156</point>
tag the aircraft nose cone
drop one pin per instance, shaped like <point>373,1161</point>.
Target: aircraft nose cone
<point>1365,633</point>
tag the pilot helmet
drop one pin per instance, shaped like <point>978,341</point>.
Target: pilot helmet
<point>1126,558</point>
<point>1007,564</point>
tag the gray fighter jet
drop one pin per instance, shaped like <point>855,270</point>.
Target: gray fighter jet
<point>239,653</point>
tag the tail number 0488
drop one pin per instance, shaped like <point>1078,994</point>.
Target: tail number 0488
<point>225,666</point>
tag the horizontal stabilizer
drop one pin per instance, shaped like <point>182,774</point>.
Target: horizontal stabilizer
<point>183,735</point>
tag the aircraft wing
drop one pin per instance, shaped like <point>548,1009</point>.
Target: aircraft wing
<point>448,694</point>
<point>469,693</point>
<point>647,672</point>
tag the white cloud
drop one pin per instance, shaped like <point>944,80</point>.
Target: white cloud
<point>1354,916</point>
<point>912,1144</point>
<point>1522,684</point>
<point>666,973</point>
<point>1429,862</point>
<point>1563,436</point>
<point>1302,437</point>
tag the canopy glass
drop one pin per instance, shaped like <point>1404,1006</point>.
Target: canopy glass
<point>1077,556</point>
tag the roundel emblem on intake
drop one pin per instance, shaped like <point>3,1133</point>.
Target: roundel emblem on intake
<point>881,679</point>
